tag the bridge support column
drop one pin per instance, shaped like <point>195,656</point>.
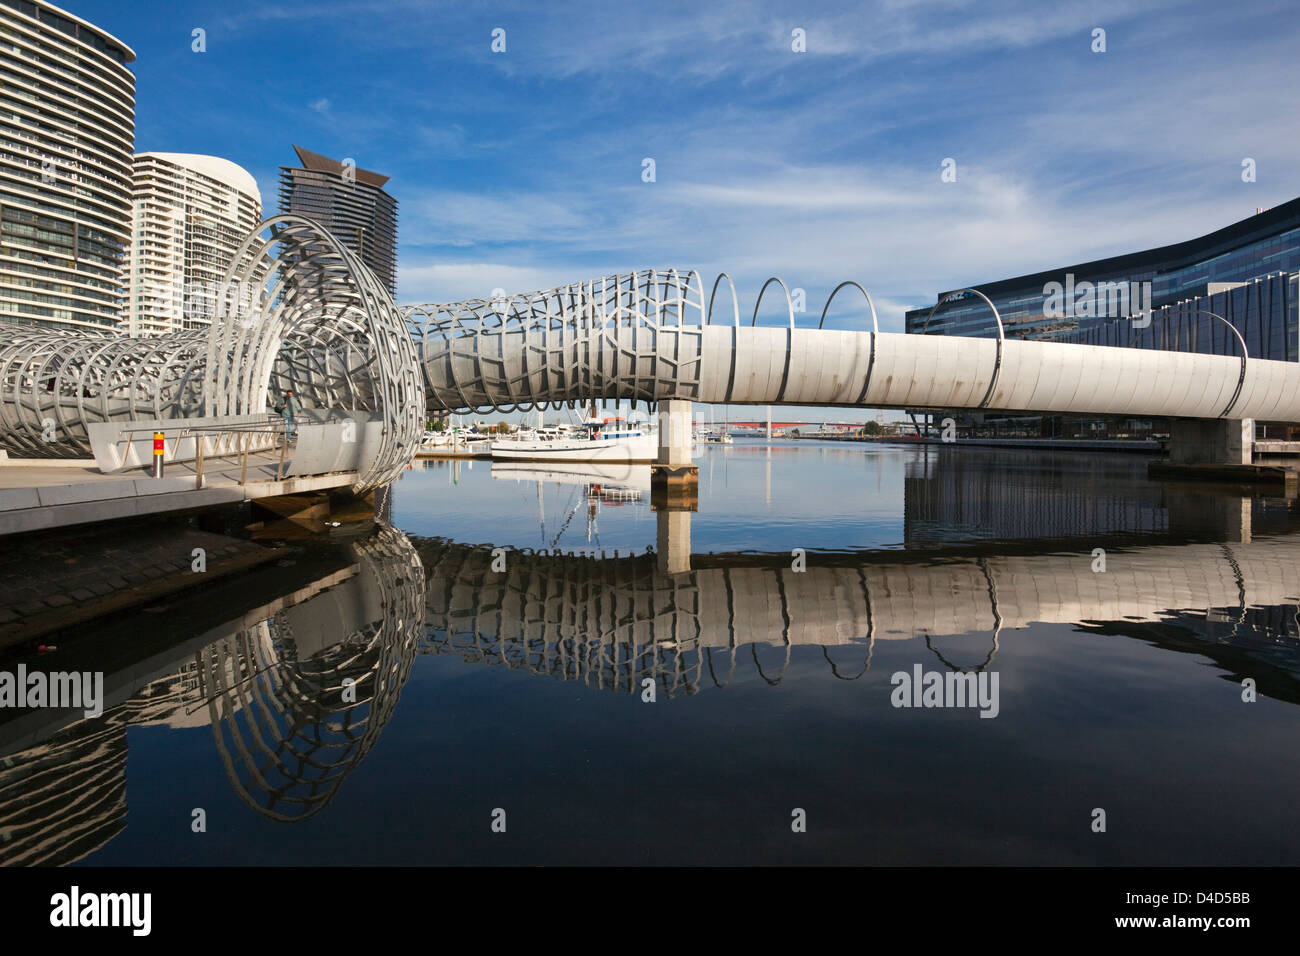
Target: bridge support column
<point>674,433</point>
<point>1218,441</point>
<point>674,478</point>
<point>1221,450</point>
<point>674,487</point>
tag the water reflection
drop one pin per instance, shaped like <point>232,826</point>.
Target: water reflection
<point>613,623</point>
<point>295,692</point>
<point>590,488</point>
<point>297,700</point>
<point>984,494</point>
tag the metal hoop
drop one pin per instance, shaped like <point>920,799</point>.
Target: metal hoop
<point>1245,355</point>
<point>997,364</point>
<point>788,302</point>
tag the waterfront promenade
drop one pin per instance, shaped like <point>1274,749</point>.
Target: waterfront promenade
<point>40,494</point>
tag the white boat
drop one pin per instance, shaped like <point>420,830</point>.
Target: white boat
<point>613,440</point>
<point>435,439</point>
<point>454,438</point>
<point>713,438</point>
<point>605,478</point>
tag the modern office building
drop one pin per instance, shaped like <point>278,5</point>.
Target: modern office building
<point>349,202</point>
<point>1248,273</point>
<point>190,214</point>
<point>67,128</point>
<point>1058,303</point>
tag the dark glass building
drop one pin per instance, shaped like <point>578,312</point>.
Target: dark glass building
<point>351,203</point>
<point>1248,273</point>
<point>1031,306</point>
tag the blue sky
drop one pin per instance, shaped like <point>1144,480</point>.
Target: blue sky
<point>521,170</point>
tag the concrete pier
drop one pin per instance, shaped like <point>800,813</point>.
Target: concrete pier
<point>1219,450</point>
<point>1221,441</point>
<point>674,433</point>
<point>37,495</point>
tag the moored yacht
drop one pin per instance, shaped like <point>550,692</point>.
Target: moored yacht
<point>608,440</point>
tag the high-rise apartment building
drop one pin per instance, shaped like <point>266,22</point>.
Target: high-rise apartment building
<point>190,215</point>
<point>350,203</point>
<point>67,129</point>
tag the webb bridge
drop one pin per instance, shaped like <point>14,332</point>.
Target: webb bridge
<point>300,311</point>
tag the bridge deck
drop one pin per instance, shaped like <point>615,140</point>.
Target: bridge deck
<point>38,495</point>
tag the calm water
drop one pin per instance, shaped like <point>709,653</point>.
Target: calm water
<point>499,662</point>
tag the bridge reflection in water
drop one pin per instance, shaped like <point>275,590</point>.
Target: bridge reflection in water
<point>297,691</point>
<point>613,623</point>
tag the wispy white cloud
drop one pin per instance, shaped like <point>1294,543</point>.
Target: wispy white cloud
<point>458,281</point>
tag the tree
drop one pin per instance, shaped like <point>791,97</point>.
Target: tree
<point>874,429</point>
<point>437,425</point>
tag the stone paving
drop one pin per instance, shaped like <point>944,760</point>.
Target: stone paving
<point>73,575</point>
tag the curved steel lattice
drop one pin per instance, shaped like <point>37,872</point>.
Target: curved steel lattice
<point>53,384</point>
<point>303,312</point>
<point>297,310</point>
<point>634,336</point>
<point>289,729</point>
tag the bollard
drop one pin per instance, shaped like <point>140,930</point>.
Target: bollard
<point>157,454</point>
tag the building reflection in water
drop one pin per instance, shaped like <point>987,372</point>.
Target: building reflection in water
<point>981,494</point>
<point>297,691</point>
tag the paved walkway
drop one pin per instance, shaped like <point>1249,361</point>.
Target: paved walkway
<point>38,495</point>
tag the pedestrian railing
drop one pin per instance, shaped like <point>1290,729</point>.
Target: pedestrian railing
<point>221,442</point>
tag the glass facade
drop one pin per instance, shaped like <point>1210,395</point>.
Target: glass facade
<point>1081,303</point>
<point>1264,311</point>
<point>349,203</point>
<point>67,125</point>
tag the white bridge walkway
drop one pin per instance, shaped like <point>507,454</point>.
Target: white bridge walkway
<point>305,314</point>
<point>649,336</point>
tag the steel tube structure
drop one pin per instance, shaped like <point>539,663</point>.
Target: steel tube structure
<point>589,341</point>
<point>303,312</point>
<point>296,310</point>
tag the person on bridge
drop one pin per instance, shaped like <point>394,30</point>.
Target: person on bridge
<point>289,408</point>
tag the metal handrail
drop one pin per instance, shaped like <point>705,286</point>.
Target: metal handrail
<point>244,430</point>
